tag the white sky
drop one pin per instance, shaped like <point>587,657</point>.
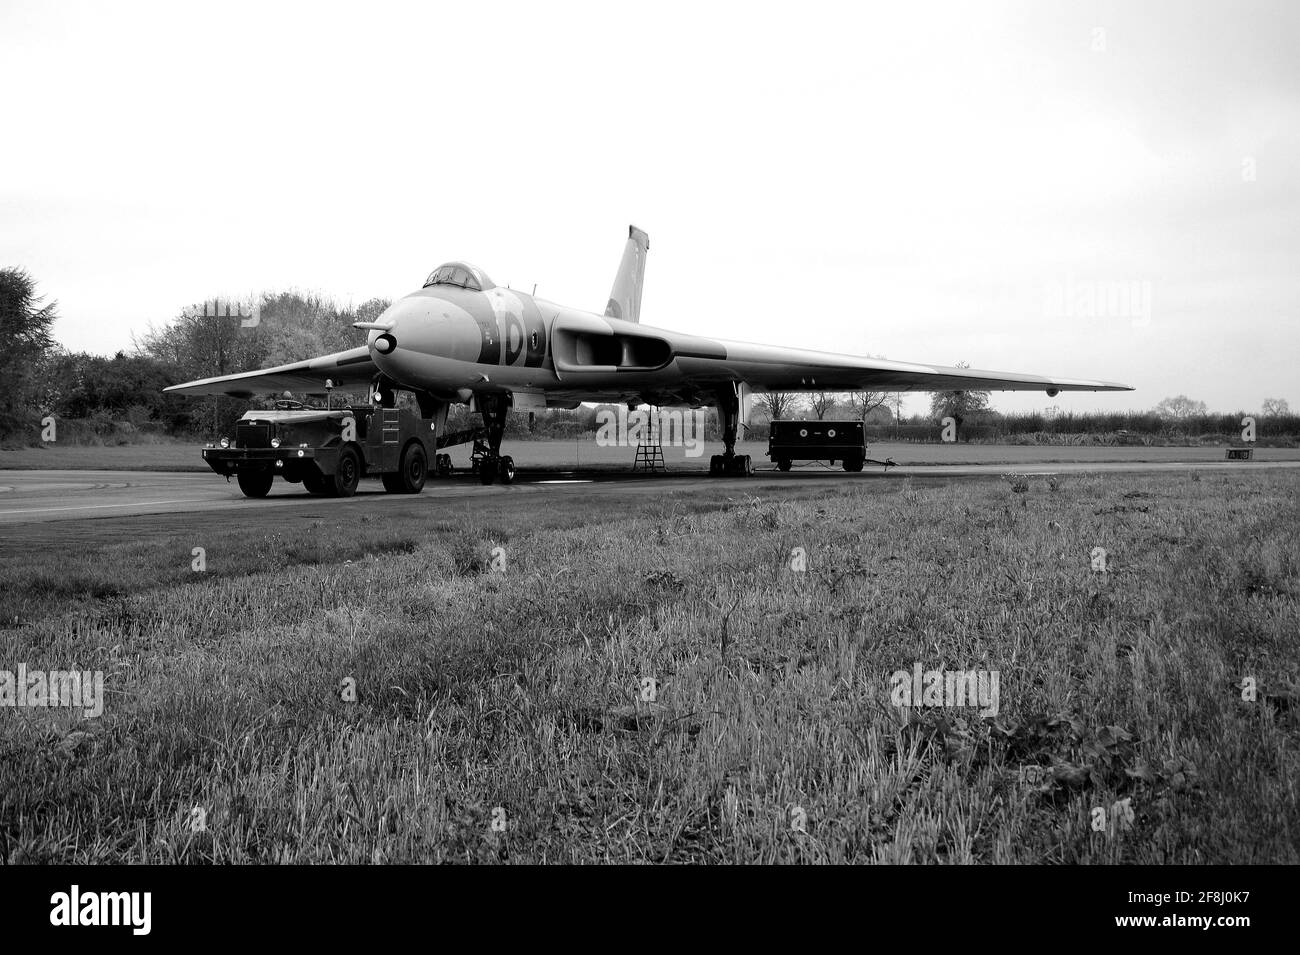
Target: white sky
<point>912,181</point>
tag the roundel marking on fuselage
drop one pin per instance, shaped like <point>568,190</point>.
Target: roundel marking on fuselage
<point>508,312</point>
<point>513,339</point>
<point>522,333</point>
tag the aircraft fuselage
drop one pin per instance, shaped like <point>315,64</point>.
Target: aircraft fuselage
<point>449,341</point>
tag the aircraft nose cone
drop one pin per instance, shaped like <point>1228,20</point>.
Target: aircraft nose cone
<point>382,339</point>
<point>402,338</point>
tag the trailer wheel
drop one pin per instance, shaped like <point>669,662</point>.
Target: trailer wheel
<point>255,483</point>
<point>783,464</point>
<point>347,474</point>
<point>411,476</point>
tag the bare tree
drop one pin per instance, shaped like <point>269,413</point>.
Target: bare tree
<point>895,405</point>
<point>821,402</point>
<point>1180,407</point>
<point>779,405</point>
<point>865,402</point>
<point>1275,408</point>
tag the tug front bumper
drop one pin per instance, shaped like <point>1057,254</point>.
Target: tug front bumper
<point>228,461</point>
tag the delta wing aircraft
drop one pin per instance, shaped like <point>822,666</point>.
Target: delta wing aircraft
<point>461,338</point>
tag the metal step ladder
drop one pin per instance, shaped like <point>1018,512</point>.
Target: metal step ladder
<point>649,457</point>
<point>650,454</point>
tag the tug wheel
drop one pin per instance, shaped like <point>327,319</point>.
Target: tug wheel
<point>409,479</point>
<point>255,483</point>
<point>347,475</point>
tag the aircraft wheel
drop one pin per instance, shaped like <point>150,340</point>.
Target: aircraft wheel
<point>506,469</point>
<point>715,465</point>
<point>347,474</point>
<point>740,466</point>
<point>443,464</point>
<point>487,471</point>
<point>783,464</point>
<point>255,483</point>
<point>853,464</point>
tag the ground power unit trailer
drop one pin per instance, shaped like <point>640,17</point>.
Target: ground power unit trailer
<point>828,441</point>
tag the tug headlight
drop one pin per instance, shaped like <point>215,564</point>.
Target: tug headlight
<point>302,454</point>
<point>275,442</point>
<point>225,442</point>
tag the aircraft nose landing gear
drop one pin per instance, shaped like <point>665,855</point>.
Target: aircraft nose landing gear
<point>493,466</point>
<point>500,468</point>
<point>506,469</point>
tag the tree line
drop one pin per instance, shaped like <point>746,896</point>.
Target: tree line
<point>122,394</point>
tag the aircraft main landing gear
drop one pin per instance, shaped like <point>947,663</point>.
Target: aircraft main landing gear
<point>738,465</point>
<point>729,462</point>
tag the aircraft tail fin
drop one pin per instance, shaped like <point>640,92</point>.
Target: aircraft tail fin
<point>625,296</point>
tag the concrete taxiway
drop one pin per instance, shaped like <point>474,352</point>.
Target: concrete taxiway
<point>39,497</point>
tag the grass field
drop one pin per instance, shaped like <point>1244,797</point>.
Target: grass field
<point>502,711</point>
<point>586,454</point>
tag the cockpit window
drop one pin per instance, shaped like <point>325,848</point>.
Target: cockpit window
<point>460,274</point>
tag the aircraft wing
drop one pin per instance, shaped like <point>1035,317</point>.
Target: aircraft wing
<point>351,367</point>
<point>769,368</point>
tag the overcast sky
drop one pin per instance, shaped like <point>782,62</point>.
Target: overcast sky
<point>1080,189</point>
